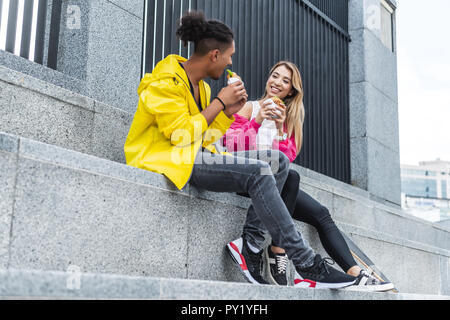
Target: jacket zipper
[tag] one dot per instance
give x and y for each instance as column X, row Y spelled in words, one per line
column 199, row 107
column 201, row 147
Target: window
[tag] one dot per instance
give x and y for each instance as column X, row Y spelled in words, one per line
column 387, row 25
column 419, row 187
column 444, row 189
column 418, row 172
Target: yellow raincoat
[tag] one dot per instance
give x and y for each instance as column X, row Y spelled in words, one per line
column 168, row 129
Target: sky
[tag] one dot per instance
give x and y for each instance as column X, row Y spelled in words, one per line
column 423, row 58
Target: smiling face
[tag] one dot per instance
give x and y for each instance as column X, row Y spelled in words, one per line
column 279, row 83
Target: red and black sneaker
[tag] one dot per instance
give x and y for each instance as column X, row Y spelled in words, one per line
column 320, row 276
column 249, row 263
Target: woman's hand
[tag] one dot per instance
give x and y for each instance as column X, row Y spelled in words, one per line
column 266, row 112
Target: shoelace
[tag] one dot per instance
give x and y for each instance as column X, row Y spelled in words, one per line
column 282, row 262
column 324, row 262
column 370, row 277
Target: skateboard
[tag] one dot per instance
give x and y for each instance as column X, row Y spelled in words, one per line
column 365, row 261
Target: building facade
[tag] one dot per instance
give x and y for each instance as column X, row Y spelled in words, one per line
column 374, row 129
column 426, row 190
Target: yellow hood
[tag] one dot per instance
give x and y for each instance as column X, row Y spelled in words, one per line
column 167, row 68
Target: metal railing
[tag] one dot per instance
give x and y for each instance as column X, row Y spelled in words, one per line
column 335, row 10
column 267, row 31
column 23, row 29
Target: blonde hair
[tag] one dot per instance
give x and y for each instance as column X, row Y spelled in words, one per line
column 295, row 109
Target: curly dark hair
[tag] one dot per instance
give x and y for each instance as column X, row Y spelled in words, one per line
column 206, row 35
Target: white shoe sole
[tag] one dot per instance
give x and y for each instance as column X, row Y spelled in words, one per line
column 372, row 288
column 235, row 249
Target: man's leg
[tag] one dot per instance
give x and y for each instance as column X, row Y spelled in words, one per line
column 254, row 229
column 220, row 173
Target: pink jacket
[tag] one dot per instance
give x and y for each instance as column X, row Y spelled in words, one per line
column 242, row 136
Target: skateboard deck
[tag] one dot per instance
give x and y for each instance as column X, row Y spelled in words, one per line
column 365, row 261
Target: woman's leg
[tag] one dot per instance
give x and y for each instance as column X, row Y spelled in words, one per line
column 312, row 212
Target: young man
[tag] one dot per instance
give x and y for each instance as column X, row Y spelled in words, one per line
column 174, row 131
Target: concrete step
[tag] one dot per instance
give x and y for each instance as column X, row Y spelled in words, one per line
column 61, row 208
column 42, row 111
column 35, row 284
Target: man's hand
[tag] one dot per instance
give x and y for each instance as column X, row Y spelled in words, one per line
column 234, row 96
column 235, row 108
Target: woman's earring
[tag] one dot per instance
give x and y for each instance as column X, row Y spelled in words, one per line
column 290, row 95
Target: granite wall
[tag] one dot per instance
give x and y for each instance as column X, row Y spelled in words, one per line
column 374, row 123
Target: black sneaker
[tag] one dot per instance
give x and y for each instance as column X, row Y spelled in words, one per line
column 367, row 282
column 249, row 263
column 320, row 276
column 277, row 267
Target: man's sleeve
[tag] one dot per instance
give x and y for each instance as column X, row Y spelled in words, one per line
column 217, row 128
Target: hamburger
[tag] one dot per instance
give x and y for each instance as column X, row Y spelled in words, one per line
column 277, row 104
column 278, row 101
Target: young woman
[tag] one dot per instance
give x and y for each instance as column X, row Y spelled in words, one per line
column 261, row 126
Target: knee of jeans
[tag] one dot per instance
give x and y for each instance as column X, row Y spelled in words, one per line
column 265, row 169
column 284, row 160
column 260, row 168
column 261, row 175
column 279, row 162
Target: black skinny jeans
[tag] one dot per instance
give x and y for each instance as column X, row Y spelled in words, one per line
column 304, row 208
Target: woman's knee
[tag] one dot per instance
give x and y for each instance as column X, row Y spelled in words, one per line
column 292, row 181
column 293, row 177
column 324, row 219
column 320, row 217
